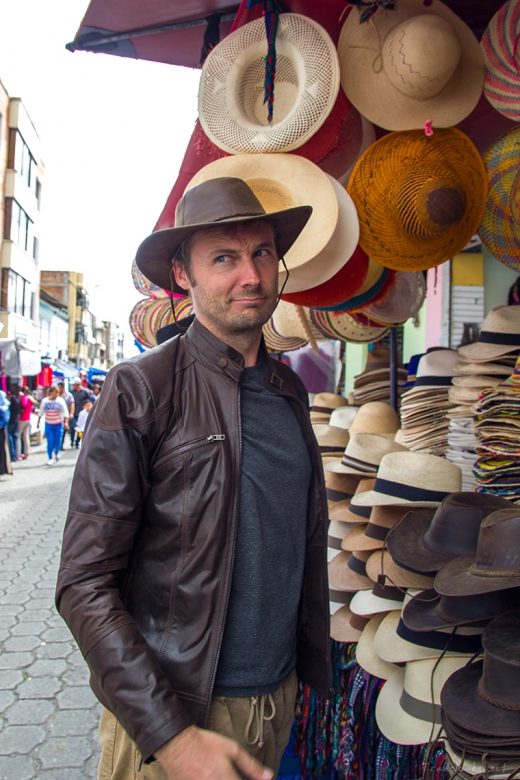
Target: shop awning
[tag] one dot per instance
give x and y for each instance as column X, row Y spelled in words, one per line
column 96, row 375
column 175, row 32
column 18, row 360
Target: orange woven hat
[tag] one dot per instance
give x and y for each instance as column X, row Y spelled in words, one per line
column 419, row 199
column 500, row 228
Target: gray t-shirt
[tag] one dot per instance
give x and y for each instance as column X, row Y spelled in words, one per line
column 259, row 644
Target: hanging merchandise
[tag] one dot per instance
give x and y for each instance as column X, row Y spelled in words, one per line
column 419, row 199
column 340, row 325
column 500, row 46
column 412, row 64
column 231, row 93
column 151, row 314
column 348, row 280
column 401, row 300
column 500, row 228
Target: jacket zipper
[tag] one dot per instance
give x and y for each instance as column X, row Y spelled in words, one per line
column 230, row 569
column 191, row 445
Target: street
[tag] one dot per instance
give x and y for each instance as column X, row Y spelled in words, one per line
column 48, row 715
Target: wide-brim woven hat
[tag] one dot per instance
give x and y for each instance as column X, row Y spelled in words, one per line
column 347, row 281
column 278, row 344
column 376, row 282
column 500, row 226
column 334, row 257
column 435, row 370
column 502, row 75
column 376, row 417
column 381, row 599
column 231, row 92
column 151, row 314
column 500, row 335
column 411, row 64
column 405, row 712
column 412, row 479
column 282, row 182
column 347, row 571
column 419, row 199
column 401, row 300
column 340, row 325
column 366, row 655
column 221, row 200
column 293, row 321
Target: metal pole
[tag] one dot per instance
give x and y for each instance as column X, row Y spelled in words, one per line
column 393, row 368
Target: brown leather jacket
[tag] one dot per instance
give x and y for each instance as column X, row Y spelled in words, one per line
column 149, row 540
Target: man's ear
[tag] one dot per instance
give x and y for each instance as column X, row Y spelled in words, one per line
column 180, row 275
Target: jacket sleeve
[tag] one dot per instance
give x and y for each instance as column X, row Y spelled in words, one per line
column 108, row 491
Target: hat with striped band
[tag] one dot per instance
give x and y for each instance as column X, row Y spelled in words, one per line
column 340, row 487
column 502, row 60
column 500, row 335
column 500, row 226
column 363, row 454
column 372, row 536
column 341, row 511
column 366, row 655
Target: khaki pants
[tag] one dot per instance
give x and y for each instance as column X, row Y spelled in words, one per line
column 261, row 725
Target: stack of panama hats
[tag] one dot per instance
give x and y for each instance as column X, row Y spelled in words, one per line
column 332, row 441
column 323, row 404
column 497, row 423
column 373, row 384
column 424, row 424
column 151, row 314
column 375, row 417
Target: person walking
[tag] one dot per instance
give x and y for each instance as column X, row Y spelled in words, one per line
column 13, row 425
column 5, row 460
column 194, row 560
column 69, row 400
column 27, row 403
column 79, row 396
column 56, row 414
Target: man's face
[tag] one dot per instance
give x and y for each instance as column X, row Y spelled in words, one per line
column 233, row 278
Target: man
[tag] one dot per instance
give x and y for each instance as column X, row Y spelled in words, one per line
column 193, row 571
column 79, row 396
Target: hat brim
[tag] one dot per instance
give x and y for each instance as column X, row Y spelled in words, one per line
column 341, row 629
column 457, row 579
column 365, row 602
column 374, row 498
column 155, row 254
column 381, row 562
column 405, row 544
column 367, row 657
column 393, row 722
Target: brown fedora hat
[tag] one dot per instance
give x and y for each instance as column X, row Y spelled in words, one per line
column 429, row 611
column 496, row 565
column 484, row 697
column 219, row 201
column 424, row 540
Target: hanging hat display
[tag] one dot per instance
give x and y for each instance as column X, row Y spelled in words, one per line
column 340, row 325
column 279, row 344
column 346, row 282
column 151, row 314
column 419, row 199
column 500, row 227
column 231, row 92
column 401, row 300
column 502, row 60
column 411, row 64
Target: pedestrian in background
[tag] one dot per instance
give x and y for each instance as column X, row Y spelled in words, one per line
column 27, row 403
column 82, row 419
column 69, row 400
column 80, row 395
column 56, row 414
column 5, row 460
column 14, row 419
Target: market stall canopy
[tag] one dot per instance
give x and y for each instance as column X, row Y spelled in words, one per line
column 178, row 31
column 18, row 360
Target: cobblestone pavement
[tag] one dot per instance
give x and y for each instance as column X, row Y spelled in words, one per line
column 48, row 714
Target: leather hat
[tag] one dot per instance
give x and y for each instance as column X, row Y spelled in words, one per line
column 496, row 565
column 218, row 201
column 424, row 541
column 429, row 611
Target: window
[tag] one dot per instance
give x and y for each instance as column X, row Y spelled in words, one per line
column 16, row 294
column 17, row 226
column 21, row 159
column 80, row 335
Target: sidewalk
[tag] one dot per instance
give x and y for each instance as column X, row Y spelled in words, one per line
column 48, row 715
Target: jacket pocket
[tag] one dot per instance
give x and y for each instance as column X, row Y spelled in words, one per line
column 180, row 450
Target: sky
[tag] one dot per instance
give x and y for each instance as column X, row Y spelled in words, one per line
column 113, row 133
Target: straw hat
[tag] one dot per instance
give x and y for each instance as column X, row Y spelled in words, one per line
column 363, row 454
column 412, row 479
column 405, row 712
column 372, row 536
column 419, row 199
column 499, row 43
column 411, row 64
column 324, row 403
column 376, row 282
column 342, row 509
column 401, row 300
column 293, row 322
column 341, row 628
column 435, row 369
column 340, row 325
column 500, row 228
column 343, row 416
column 347, row 571
column 366, row 655
column 345, row 282
column 375, row 417
column 231, row 92
column 331, row 441
column 381, row 565
column 340, row 487
column 279, row 344
column 151, row 314
column 284, row 181
column 463, row 368
column 499, row 336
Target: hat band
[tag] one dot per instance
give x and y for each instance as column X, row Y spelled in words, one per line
column 493, row 337
column 422, row 710
column 331, row 448
column 442, row 381
column 378, row 532
column 388, row 592
column 360, row 511
column 340, row 596
column 334, row 542
column 437, row 640
column 358, row 621
column 357, row 566
column 360, row 465
column 323, row 409
column 408, row 492
column 337, row 495
column 499, row 684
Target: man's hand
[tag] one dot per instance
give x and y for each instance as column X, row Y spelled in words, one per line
column 199, row 754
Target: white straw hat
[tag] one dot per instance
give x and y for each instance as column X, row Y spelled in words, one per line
column 500, row 335
column 366, row 655
column 363, row 454
column 343, row 416
column 405, row 712
column 231, row 93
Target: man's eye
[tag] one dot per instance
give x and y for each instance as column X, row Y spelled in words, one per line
column 222, row 259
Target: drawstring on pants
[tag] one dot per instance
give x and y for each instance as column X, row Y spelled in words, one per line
column 257, row 713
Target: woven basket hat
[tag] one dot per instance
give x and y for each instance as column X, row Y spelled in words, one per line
column 278, row 344
column 151, row 314
column 401, row 300
column 502, row 60
column 419, row 199
column 500, row 228
column 411, row 64
column 340, row 325
column 231, row 93
column 280, row 182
